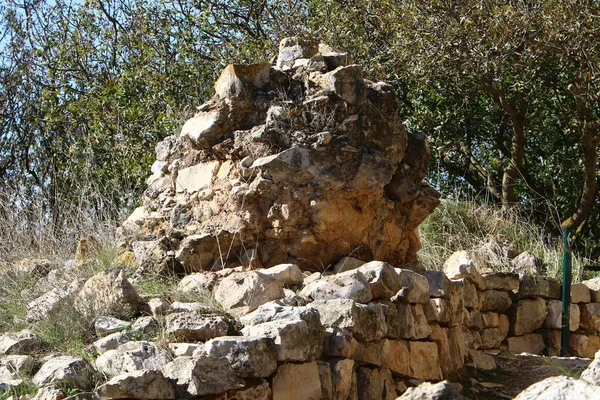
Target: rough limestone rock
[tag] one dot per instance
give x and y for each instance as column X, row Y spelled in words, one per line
column 286, row 274
column 65, row 370
column 580, row 293
column 538, row 286
column 496, row 301
column 415, row 288
column 462, row 265
column 109, row 293
column 590, row 316
column 201, row 376
column 583, row 345
column 383, row 279
column 297, row 382
column 243, row 292
column 250, row 357
column 195, row 326
column 311, row 316
column 138, row 385
column 432, row 391
column 104, row 325
column 439, row 284
column 304, row 162
column 507, row 281
column 347, row 264
column 112, row 341
column 198, row 282
column 44, row 306
column 375, row 384
column 527, row 263
column 351, row 285
column 366, row 321
column 530, row 343
column 15, row 366
column 132, row 356
column 23, row 342
column 559, row 387
column 529, row 315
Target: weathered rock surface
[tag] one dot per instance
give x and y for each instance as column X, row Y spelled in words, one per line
column 592, row 372
column 538, row 286
column 250, row 357
column 195, row 326
column 297, row 382
column 245, row 171
column 65, row 370
column 201, row 376
column 23, row 342
column 132, row 356
column 462, row 265
column 351, row 285
column 438, row 391
column 142, row 384
column 243, row 292
column 108, row 293
column 559, row 387
column 104, row 325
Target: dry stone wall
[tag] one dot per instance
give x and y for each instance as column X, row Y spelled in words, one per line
column 367, row 332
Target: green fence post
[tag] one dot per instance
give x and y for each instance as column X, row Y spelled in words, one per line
column 566, row 295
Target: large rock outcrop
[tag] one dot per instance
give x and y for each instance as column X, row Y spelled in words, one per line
column 301, row 162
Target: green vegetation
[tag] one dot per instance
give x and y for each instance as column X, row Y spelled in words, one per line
column 507, row 93
column 494, row 235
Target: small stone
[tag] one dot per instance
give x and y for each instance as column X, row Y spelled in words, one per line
column 482, row 360
column 383, row 279
column 580, row 293
column 351, row 285
column 554, row 319
column 583, row 345
column 112, row 341
column 244, row 292
column 529, row 315
column 198, row 282
column 132, row 356
column 439, row 284
column 347, row 264
column 286, row 274
column 538, row 286
column 506, row 281
column 589, row 316
column 426, row 390
column 184, row 349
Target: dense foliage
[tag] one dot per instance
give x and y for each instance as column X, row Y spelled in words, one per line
column 506, row 90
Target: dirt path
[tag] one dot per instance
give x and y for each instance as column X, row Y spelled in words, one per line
column 515, row 372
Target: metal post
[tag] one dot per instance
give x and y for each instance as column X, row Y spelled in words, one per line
column 566, row 295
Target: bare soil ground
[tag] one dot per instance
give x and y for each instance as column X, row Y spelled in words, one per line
column 516, row 372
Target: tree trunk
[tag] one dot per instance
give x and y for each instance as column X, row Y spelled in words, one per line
column 516, row 162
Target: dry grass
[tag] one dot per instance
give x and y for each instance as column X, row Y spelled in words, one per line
column 495, row 235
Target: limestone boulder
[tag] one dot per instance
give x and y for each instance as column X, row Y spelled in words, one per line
column 584, row 346
column 462, row 265
column 580, row 293
column 197, row 282
column 185, row 349
column 495, row 300
column 347, row 264
column 414, row 288
column 310, row 316
column 396, row 357
column 15, row 366
column 439, row 284
column 507, row 281
column 383, row 279
column 289, row 338
column 201, row 376
column 594, row 286
column 367, row 322
column 481, row 360
column 65, row 370
column 375, row 384
column 132, row 356
column 49, row 303
column 527, row 263
column 589, row 316
column 559, row 387
column 141, row 384
column 286, row 274
column 428, row 366
column 305, row 163
column 351, row 285
column 109, row 293
column 250, row 357
column 438, row 391
column 23, row 342
column 196, row 326
column 344, row 379
column 105, row 325
column 530, row 343
column 112, row 341
column 592, row 373
column 297, row 382
column 529, row 315
column 539, row 286
column 243, row 292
